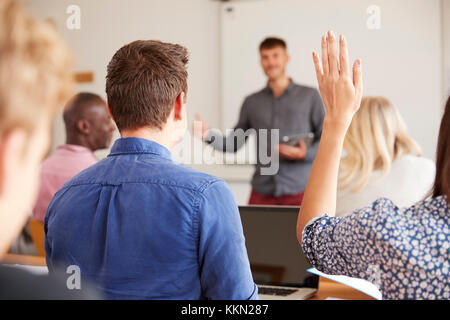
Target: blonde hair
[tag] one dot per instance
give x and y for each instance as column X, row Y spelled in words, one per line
column 376, row 137
column 35, row 69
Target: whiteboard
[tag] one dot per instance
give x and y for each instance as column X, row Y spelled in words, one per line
column 402, row 60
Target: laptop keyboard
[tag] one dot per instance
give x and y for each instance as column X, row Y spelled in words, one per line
column 275, row 291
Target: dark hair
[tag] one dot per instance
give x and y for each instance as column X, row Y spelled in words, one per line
column 77, row 105
column 272, row 42
column 442, row 180
column 143, row 80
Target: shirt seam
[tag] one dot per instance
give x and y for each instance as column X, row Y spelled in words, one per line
column 198, row 189
column 195, row 218
column 129, row 152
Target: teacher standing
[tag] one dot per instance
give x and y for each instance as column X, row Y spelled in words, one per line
column 284, row 105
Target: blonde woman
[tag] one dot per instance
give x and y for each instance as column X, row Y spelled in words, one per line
column 382, row 160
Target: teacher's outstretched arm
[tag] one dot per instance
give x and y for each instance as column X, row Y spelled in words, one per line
column 341, row 92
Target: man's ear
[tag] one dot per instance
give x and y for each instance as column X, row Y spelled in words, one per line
column 84, row 126
column 109, row 110
column 12, row 147
column 178, row 108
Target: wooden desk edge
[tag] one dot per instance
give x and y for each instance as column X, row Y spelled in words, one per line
column 23, row 260
column 331, row 289
column 327, row 288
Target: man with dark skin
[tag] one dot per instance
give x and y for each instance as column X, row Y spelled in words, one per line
column 89, row 127
column 88, row 122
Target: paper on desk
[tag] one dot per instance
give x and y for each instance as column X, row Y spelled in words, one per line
column 359, row 284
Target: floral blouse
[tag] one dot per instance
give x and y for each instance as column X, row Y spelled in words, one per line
column 405, row 252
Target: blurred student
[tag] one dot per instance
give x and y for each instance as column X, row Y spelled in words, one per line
column 405, row 251
column 382, row 160
column 138, row 223
column 35, row 80
column 282, row 105
column 89, row 127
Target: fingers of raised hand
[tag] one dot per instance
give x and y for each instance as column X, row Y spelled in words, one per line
column 318, row 67
column 335, row 66
column 343, row 57
column 332, row 55
column 357, row 79
column 324, row 46
column 333, row 63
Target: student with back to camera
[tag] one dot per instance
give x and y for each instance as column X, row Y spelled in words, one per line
column 138, row 223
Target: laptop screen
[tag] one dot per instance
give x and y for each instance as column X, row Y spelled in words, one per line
column 275, row 255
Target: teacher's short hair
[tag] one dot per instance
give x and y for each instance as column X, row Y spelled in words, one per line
column 272, row 42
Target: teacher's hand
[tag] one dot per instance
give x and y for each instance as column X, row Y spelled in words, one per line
column 293, row 153
column 200, row 128
column 341, row 90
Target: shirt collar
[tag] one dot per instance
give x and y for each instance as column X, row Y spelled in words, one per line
column 139, row 145
column 74, row 148
column 290, row 86
column 288, row 89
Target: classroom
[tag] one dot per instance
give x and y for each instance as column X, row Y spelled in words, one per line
column 224, row 150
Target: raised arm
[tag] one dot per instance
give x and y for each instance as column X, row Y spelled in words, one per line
column 341, row 92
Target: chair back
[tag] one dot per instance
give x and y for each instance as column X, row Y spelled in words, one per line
column 36, row 229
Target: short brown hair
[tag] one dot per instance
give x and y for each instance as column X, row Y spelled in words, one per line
column 272, row 42
column 35, row 69
column 143, row 80
column 442, row 180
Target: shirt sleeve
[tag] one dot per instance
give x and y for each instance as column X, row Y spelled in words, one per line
column 350, row 245
column 224, row 266
column 237, row 138
column 317, row 116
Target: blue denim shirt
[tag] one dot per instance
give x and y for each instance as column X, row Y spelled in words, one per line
column 141, row 226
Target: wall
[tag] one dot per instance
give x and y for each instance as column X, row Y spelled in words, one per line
column 401, row 60
column 445, row 5
column 106, row 25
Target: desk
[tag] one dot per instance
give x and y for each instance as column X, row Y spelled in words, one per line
column 23, row 259
column 329, row 288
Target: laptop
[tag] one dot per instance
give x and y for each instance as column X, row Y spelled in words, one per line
column 278, row 264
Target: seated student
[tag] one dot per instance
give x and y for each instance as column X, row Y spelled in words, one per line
column 88, row 128
column 35, row 79
column 405, row 251
column 382, row 160
column 138, row 223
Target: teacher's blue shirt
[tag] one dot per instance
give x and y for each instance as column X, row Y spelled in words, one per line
column 142, row 226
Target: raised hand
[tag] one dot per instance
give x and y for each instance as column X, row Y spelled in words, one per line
column 341, row 93
column 341, row 90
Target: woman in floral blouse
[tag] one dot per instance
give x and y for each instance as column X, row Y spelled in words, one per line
column 404, row 251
